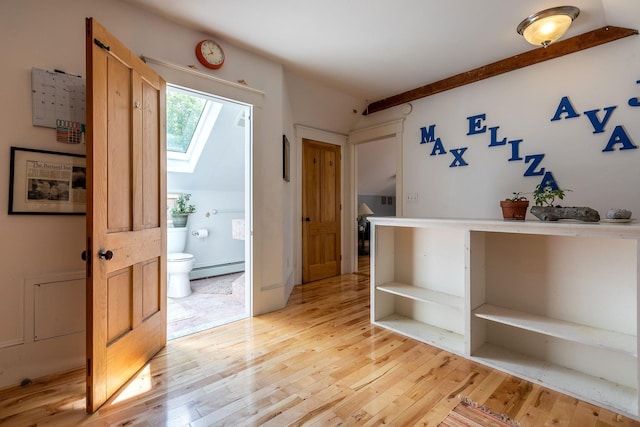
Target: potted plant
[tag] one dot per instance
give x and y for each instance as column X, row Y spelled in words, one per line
column 180, row 213
column 546, row 196
column 514, row 207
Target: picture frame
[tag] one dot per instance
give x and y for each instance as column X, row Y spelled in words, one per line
column 47, row 183
column 286, row 159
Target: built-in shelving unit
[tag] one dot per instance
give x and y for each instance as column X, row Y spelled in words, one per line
column 554, row 303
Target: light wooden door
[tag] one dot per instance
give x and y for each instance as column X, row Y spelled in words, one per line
column 126, row 214
column 320, row 210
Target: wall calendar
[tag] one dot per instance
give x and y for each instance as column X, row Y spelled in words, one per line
column 59, row 102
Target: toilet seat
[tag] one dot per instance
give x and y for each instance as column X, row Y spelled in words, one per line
column 179, row 256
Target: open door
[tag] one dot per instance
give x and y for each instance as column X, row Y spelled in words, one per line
column 126, row 214
column 320, row 210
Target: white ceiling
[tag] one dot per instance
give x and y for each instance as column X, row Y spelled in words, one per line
column 373, row 49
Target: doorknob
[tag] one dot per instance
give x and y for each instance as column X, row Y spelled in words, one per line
column 307, row 219
column 105, row 255
column 83, row 255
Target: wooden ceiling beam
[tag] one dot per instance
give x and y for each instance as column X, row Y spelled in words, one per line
column 574, row 44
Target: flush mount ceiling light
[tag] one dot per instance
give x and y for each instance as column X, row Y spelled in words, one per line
column 547, row 26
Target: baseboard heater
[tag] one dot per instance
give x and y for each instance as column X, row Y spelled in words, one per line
column 216, row 270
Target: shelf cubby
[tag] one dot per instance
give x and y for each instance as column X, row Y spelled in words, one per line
column 588, row 335
column 422, row 294
column 598, row 391
column 439, row 337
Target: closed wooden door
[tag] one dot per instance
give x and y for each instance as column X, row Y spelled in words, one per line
column 320, row 210
column 126, row 214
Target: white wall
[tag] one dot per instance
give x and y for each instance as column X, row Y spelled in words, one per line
column 289, row 201
column 323, row 114
column 50, row 35
column 214, row 212
column 522, row 104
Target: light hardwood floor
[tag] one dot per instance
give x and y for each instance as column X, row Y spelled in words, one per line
column 316, row 362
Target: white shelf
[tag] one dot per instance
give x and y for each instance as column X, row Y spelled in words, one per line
column 598, row 391
column 422, row 294
column 588, row 335
column 441, row 338
column 586, row 274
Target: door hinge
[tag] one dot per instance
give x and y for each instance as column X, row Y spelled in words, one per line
column 101, row 45
column 89, row 257
column 88, row 367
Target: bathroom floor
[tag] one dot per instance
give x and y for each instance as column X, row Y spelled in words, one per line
column 214, row 301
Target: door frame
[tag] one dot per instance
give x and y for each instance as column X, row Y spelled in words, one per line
column 304, row 132
column 254, row 99
column 393, row 132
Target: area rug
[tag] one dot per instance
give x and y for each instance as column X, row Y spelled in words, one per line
column 221, row 285
column 470, row 414
column 176, row 312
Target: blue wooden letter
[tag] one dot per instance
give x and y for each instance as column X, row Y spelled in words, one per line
column 515, row 150
column 438, row 148
column 619, row 136
column 494, row 137
column 634, row 102
column 457, row 154
column 598, row 126
column 565, row 107
column 475, row 124
column 428, row 135
column 531, row 171
column 549, row 181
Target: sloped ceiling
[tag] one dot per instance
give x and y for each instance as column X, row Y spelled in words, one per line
column 221, row 164
column 377, row 168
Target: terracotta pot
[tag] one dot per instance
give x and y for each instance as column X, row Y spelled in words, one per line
column 514, row 210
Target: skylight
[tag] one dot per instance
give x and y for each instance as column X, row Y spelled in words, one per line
column 191, row 116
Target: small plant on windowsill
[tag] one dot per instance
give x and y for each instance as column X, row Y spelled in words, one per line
column 180, row 213
column 514, row 207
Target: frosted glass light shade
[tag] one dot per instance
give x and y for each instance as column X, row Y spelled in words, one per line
column 547, row 26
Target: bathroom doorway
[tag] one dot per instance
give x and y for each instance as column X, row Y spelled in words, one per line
column 208, row 158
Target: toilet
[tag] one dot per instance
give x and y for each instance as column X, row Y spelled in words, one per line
column 179, row 263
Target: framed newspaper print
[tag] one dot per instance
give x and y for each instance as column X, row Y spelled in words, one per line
column 47, row 182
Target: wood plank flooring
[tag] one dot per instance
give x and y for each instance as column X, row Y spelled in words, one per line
column 317, row 362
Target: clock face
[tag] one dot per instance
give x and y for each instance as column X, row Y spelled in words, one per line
column 210, row 54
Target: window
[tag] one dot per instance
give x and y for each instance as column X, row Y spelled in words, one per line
column 191, row 117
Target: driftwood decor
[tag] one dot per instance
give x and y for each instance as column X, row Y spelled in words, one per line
column 551, row 213
column 574, row 44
